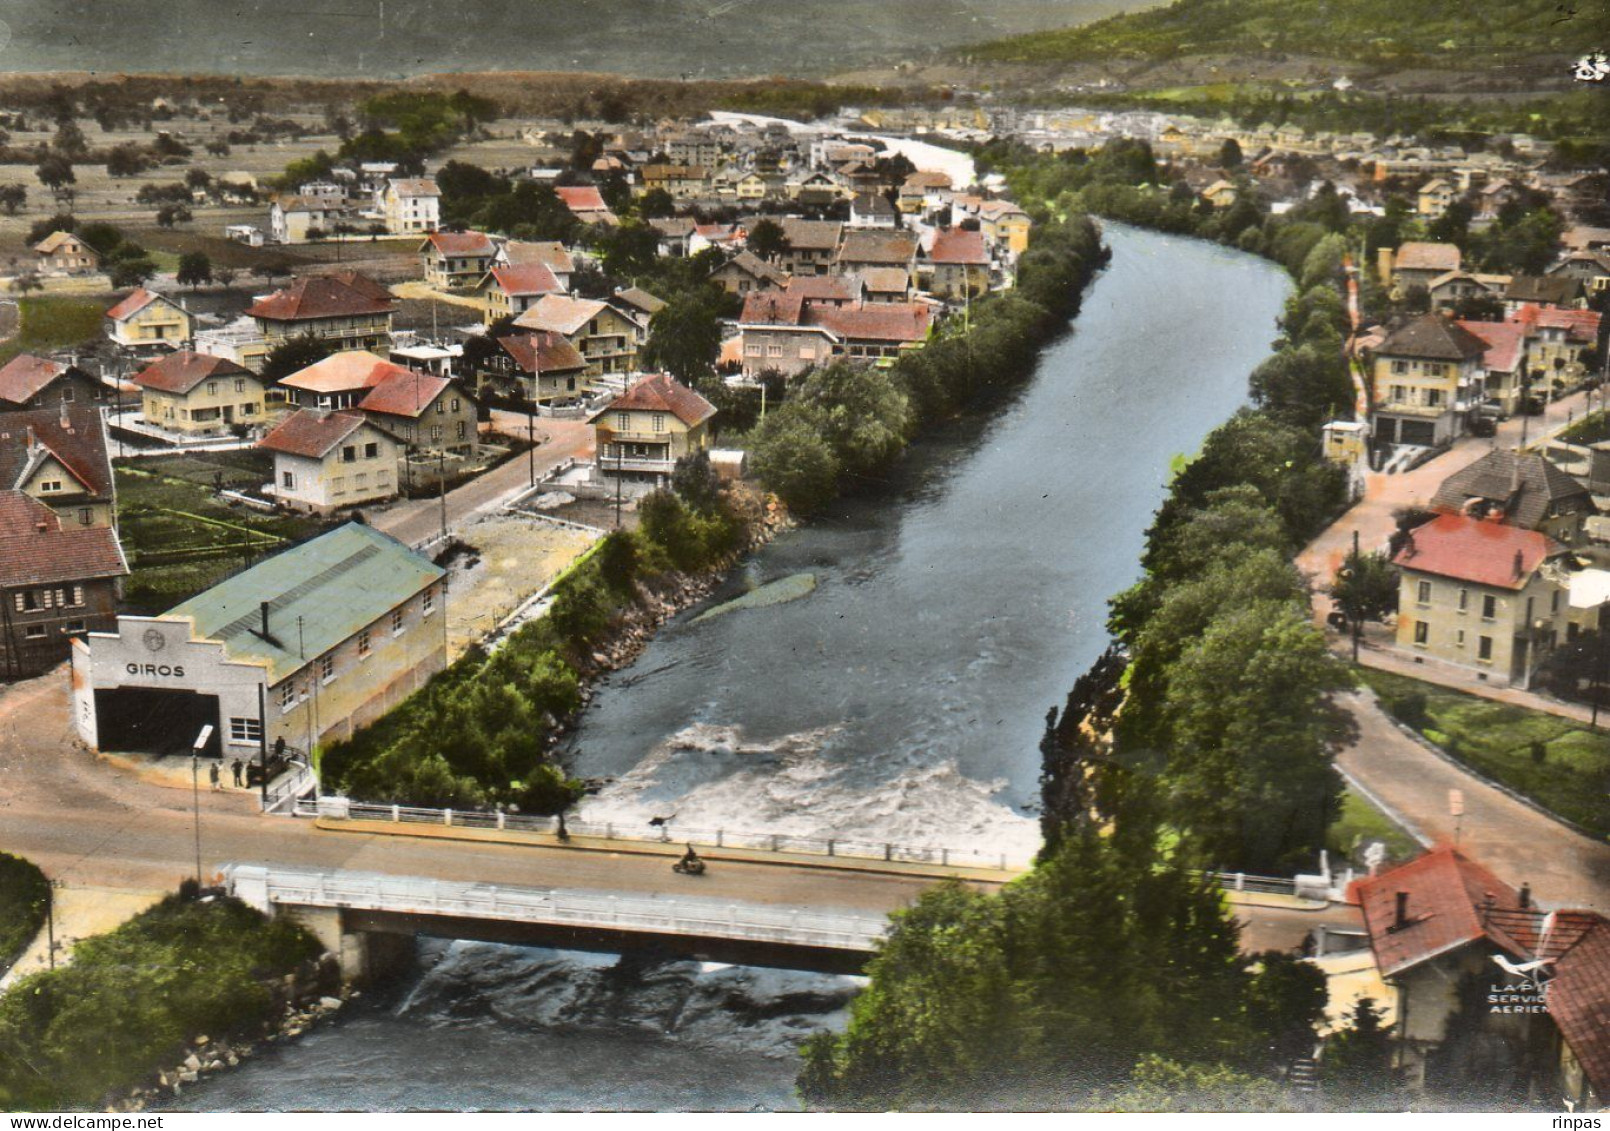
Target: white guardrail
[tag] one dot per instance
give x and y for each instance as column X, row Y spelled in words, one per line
column 341, row 808
column 265, row 887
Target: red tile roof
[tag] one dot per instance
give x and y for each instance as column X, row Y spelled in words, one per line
column 320, row 296
column 79, row 445
column 773, row 308
column 24, row 375
column 361, row 283
column 1452, row 902
column 957, row 245
column 663, row 393
column 1433, row 336
column 460, row 243
column 1468, row 549
column 830, row 288
column 526, row 279
column 884, row 249
column 581, row 198
column 36, row 550
column 1506, row 344
column 1426, row 256
column 545, row 348
column 137, row 300
column 180, row 372
column 1579, row 997
column 407, row 393
column 344, row 372
column 1580, row 324
column 312, row 432
column 897, row 322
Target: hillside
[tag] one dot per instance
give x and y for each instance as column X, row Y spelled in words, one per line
column 1395, row 33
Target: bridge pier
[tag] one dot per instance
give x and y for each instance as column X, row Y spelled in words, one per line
column 364, row 957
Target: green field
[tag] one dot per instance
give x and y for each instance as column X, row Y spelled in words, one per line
column 53, row 322
column 1359, row 824
column 180, row 537
column 1497, row 740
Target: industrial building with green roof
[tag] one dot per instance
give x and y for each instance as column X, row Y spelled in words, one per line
column 300, row 648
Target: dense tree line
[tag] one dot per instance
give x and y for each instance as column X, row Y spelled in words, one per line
column 844, row 424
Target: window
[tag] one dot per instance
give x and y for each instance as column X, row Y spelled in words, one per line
column 1484, row 648
column 248, row 409
column 1399, row 368
column 287, row 695
column 1423, row 593
column 243, row 730
column 371, row 450
column 396, row 622
column 240, row 384
column 441, row 408
column 338, row 485
column 361, row 480
column 1434, row 398
column 1554, row 601
column 436, row 433
column 752, row 349
column 85, row 516
column 1422, row 633
column 288, row 480
column 1459, row 638
column 1529, row 602
column 363, row 645
column 50, row 486
column 1489, row 606
column 774, row 351
column 459, row 430
column 67, row 394
column 455, row 404
column 212, row 388
column 349, row 453
column 1464, row 599
column 427, row 603
column 623, row 421
column 78, row 597
column 659, row 422
column 326, row 668
column 34, row 632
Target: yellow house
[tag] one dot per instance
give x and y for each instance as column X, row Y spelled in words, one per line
column 1427, row 375
column 146, row 318
column 1434, row 198
column 507, row 292
column 193, row 393
column 1005, row 225
column 652, row 425
column 58, row 456
column 607, row 338
column 1481, row 595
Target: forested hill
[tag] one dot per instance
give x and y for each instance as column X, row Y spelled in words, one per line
column 1395, row 32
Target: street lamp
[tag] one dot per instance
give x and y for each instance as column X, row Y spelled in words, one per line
column 203, row 737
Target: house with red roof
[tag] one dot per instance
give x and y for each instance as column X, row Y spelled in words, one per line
column 508, row 291
column 196, row 395
column 746, row 272
column 787, row 332
column 58, row 580
column 538, row 366
column 28, row 382
column 325, row 461
column 644, row 431
column 606, row 334
column 1556, row 339
column 586, row 204
column 147, row 321
column 1494, row 993
column 956, row 264
column 59, row 456
column 340, row 380
column 1481, row 595
column 1504, row 363
column 424, row 412
column 452, row 260
column 347, row 308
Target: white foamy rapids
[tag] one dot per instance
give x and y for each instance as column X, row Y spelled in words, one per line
column 708, row 777
column 713, row 1006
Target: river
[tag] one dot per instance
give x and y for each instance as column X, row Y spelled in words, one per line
column 900, row 698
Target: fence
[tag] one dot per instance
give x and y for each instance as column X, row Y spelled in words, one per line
column 263, row 887
column 340, row 808
column 285, row 793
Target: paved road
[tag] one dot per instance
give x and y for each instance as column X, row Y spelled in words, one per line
column 418, row 520
column 1520, row 844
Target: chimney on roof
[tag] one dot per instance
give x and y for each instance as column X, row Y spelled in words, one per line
column 33, row 442
column 1402, row 918
column 1520, row 563
column 1526, row 897
column 262, row 608
column 65, row 421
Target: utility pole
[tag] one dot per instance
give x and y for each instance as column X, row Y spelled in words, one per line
column 202, row 738
column 1357, row 616
column 531, row 407
column 50, row 922
column 618, row 460
column 441, row 484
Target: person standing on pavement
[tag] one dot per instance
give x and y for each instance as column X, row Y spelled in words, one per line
column 212, row 776
column 235, row 768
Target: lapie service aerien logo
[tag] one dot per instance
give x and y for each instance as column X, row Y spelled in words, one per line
column 1525, row 991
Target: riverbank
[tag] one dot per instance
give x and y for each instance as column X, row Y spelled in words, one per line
column 179, row 989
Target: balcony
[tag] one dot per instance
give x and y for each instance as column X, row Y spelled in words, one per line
column 610, row 465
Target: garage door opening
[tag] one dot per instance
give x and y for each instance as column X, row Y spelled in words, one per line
column 149, row 720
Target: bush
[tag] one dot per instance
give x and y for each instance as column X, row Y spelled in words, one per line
column 1409, row 708
column 24, row 899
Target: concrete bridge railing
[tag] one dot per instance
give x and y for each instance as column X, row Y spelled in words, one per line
column 341, row 808
column 271, row 888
